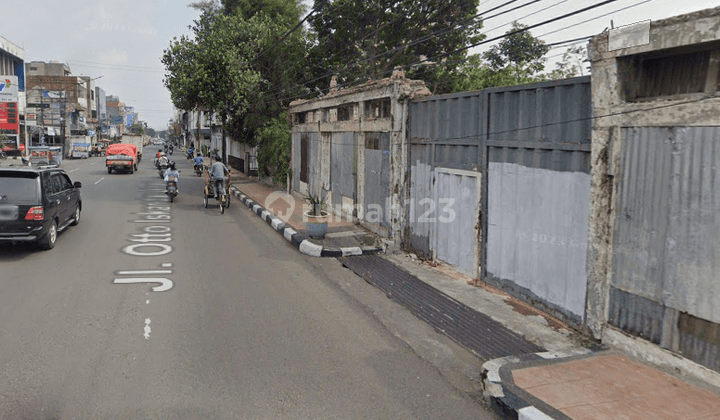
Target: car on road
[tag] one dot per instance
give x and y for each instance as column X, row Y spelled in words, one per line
column 36, row 204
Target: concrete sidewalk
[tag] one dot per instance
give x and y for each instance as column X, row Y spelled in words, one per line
column 284, row 212
column 572, row 379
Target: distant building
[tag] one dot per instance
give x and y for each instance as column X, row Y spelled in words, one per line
column 12, row 63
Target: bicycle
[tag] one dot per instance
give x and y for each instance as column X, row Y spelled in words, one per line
column 224, row 198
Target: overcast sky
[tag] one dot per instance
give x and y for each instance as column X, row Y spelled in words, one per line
column 123, row 41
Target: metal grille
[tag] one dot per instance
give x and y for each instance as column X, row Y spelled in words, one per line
column 475, row 331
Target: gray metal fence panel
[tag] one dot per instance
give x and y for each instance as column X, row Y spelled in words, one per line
column 342, row 172
column 421, row 176
column 314, row 158
column 551, row 112
column 377, row 180
column 667, row 246
column 296, row 161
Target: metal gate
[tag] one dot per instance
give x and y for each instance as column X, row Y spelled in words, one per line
column 455, row 212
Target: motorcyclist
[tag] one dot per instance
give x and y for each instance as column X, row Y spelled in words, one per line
column 162, row 160
column 170, row 172
column 217, row 173
column 198, row 162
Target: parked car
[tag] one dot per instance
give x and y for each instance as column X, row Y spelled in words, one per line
column 36, row 204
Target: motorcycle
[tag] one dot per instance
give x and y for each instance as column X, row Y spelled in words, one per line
column 199, row 169
column 171, row 150
column 189, row 154
column 171, row 187
column 162, row 167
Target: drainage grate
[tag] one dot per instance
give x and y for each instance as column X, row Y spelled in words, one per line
column 473, row 330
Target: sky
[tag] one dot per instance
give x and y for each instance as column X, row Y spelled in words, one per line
column 124, row 41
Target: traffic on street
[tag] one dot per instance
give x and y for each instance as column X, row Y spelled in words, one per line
column 151, row 309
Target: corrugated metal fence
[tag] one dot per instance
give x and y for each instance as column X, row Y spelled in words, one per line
column 528, row 148
column 667, row 248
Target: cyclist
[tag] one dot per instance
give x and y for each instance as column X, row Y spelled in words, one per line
column 217, row 173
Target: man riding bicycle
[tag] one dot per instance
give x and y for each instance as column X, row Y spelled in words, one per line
column 217, row 173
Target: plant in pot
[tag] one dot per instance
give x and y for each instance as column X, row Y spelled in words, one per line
column 316, row 220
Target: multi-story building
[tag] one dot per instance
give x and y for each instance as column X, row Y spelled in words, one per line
column 101, row 112
column 12, row 107
column 61, row 102
column 116, row 115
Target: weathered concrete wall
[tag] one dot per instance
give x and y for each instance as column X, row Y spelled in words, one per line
column 341, row 117
column 612, row 114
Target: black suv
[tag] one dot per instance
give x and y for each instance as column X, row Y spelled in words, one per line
column 36, row 204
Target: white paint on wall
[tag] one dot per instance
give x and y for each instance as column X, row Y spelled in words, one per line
column 538, row 231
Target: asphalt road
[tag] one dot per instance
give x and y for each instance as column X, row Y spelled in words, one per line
column 247, row 328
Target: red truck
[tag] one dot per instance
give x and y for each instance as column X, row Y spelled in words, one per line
column 121, row 157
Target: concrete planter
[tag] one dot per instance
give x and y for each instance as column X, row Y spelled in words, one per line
column 316, row 225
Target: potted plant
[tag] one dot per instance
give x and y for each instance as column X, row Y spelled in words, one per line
column 316, row 220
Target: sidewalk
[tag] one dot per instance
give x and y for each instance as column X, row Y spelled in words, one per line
column 284, row 213
column 569, row 378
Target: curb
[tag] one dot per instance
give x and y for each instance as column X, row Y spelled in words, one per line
column 297, row 240
column 500, row 391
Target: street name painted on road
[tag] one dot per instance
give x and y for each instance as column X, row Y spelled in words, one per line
column 152, row 240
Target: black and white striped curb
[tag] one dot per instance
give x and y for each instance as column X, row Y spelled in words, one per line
column 511, row 401
column 297, row 240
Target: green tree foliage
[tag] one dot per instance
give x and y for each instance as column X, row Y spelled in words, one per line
column 361, row 40
column 286, row 12
column 519, row 51
column 235, row 65
column 274, row 149
column 571, row 64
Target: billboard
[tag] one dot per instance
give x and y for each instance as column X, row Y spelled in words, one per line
column 8, row 89
column 9, row 121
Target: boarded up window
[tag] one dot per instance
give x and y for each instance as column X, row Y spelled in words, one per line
column 667, row 74
column 304, row 149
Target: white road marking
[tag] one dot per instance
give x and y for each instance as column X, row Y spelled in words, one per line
column 165, row 284
column 147, row 329
column 167, row 265
column 133, row 272
column 98, row 181
column 147, row 302
column 93, row 163
column 73, row 170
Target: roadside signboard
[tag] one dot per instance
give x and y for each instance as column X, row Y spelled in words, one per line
column 8, row 89
column 9, row 122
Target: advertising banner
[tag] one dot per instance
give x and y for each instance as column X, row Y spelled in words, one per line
column 8, row 89
column 9, row 122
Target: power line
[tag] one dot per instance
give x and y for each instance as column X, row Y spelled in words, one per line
column 595, row 18
column 510, row 33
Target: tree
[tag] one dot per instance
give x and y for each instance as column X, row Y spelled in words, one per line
column 520, row 52
column 361, row 40
column 571, row 64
